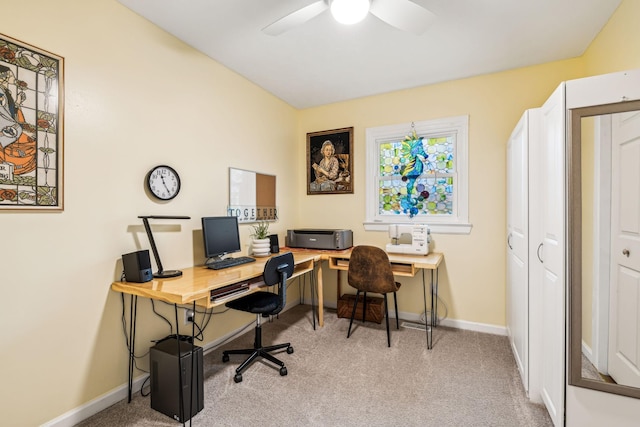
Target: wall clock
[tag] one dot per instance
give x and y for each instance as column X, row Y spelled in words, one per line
column 163, row 182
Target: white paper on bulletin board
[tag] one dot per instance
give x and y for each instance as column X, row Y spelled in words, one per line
column 252, row 196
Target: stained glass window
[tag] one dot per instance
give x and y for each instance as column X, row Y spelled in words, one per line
column 417, row 176
column 417, row 172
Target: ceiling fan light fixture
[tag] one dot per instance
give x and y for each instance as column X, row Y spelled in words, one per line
column 349, row 11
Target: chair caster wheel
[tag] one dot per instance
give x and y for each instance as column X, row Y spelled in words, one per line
column 289, row 350
column 238, row 378
column 283, row 371
column 225, row 358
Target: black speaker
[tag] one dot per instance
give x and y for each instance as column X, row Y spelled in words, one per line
column 275, row 245
column 166, row 373
column 137, row 266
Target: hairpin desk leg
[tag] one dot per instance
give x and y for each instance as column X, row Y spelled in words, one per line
column 132, row 340
column 180, row 370
column 434, row 280
column 312, row 287
column 192, row 382
column 427, row 325
column 319, row 286
column 180, row 391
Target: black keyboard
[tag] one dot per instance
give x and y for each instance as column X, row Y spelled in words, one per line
column 229, row 262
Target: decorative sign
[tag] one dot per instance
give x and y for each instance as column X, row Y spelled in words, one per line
column 252, row 196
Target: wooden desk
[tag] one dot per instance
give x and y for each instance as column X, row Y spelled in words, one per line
column 319, row 255
column 195, row 286
column 402, row 265
column 196, row 283
column 408, row 266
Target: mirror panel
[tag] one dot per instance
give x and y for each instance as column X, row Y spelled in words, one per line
column 593, row 250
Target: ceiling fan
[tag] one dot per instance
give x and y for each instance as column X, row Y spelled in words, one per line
column 402, row 14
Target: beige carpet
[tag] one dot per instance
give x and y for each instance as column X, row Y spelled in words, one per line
column 589, row 371
column 467, row 379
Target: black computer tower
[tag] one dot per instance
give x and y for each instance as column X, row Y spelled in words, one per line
column 165, row 379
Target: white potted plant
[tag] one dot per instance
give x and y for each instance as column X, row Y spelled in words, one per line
column 261, row 244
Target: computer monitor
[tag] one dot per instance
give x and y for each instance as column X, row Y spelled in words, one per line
column 220, row 235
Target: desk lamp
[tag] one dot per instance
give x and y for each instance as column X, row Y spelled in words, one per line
column 161, row 274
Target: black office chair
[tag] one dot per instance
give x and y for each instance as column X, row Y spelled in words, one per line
column 276, row 271
column 370, row 271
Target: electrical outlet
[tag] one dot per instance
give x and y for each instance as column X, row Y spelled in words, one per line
column 188, row 316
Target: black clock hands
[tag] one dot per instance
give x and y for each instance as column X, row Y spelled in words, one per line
column 165, row 184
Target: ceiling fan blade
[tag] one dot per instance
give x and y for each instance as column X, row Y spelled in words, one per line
column 403, row 14
column 296, row 18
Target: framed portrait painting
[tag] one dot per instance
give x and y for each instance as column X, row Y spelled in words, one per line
column 330, row 161
column 31, row 127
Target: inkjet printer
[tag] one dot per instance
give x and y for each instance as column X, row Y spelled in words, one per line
column 319, row 239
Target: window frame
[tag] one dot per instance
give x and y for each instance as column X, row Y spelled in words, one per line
column 458, row 221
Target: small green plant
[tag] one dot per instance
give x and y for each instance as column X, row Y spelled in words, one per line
column 260, row 230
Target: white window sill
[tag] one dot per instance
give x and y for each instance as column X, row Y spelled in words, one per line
column 451, row 228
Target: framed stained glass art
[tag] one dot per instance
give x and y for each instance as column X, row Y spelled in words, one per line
column 31, row 127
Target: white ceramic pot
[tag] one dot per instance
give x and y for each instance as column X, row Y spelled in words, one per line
column 261, row 247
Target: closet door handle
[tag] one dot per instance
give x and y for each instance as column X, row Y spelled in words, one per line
column 538, row 252
column 509, row 241
column 626, row 252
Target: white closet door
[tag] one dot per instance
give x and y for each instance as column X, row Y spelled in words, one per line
column 517, row 246
column 536, row 272
column 552, row 254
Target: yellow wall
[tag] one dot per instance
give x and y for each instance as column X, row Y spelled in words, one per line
column 617, row 47
column 137, row 97
column 472, row 282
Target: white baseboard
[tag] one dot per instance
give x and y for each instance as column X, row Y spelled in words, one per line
column 460, row 324
column 450, row 323
column 114, row 396
column 100, row 403
column 473, row 326
column 588, row 352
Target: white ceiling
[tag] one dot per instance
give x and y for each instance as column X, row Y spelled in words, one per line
column 322, row 61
